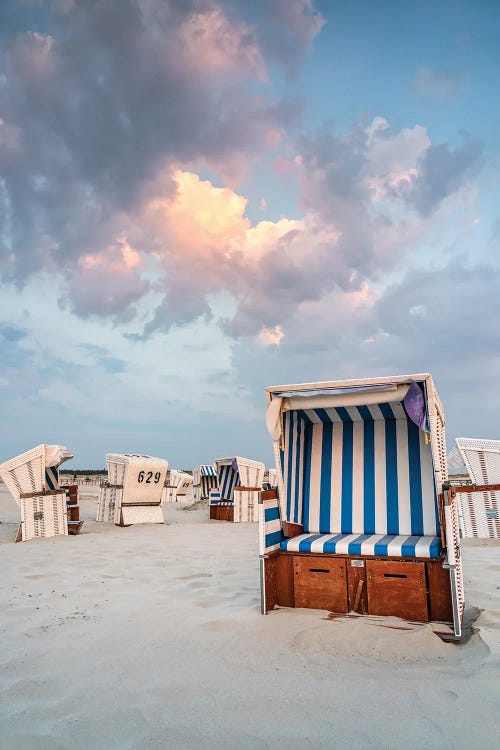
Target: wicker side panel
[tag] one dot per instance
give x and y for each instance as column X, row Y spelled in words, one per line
column 454, row 559
column 479, row 514
column 246, row 506
column 438, row 438
column 44, row 516
column 116, row 472
column 25, row 473
column 109, row 504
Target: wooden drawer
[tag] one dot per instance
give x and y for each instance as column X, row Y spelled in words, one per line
column 222, row 512
column 398, row 589
column 320, row 583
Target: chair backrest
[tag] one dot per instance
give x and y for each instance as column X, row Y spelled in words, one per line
column 142, row 477
column 358, row 469
column 482, row 459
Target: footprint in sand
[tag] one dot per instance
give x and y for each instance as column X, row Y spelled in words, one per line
column 218, row 626
column 195, row 575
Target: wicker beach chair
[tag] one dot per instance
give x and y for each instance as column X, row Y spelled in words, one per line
column 479, row 497
column 33, row 481
column 364, row 519
column 133, row 492
column 178, row 485
column 204, row 480
column 239, row 482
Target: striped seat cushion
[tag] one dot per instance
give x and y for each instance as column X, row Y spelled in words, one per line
column 387, row 545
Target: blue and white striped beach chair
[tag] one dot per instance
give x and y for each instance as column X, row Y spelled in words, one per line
column 204, row 480
column 239, row 482
column 363, row 522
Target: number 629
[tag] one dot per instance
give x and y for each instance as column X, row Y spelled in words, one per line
column 147, row 476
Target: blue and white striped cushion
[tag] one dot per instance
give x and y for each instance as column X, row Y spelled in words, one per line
column 389, row 545
column 359, row 469
column 214, row 497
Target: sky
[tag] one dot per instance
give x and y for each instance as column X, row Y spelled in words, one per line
column 201, row 198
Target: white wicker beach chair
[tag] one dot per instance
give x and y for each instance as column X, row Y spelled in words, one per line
column 365, row 519
column 239, row 482
column 178, row 485
column 478, row 499
column 133, row 492
column 271, row 478
column 33, row 481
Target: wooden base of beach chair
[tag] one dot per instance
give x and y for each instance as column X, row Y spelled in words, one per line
column 19, row 535
column 416, row 590
column 73, row 513
column 222, row 513
column 74, row 527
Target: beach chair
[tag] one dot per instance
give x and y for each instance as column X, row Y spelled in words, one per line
column 178, row 485
column 239, row 482
column 479, row 497
column 33, row 481
column 365, row 520
column 270, row 479
column 133, row 492
column 204, row 480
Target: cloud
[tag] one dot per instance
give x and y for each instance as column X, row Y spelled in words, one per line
column 440, row 85
column 117, row 93
column 107, row 283
column 442, row 171
column 371, row 197
column 289, row 30
column 271, row 336
column 11, row 333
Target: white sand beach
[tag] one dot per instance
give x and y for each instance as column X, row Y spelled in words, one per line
column 151, row 637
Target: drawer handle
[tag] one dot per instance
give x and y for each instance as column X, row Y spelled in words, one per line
column 395, row 575
column 319, row 570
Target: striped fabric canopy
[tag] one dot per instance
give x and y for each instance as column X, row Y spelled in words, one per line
column 52, row 477
column 208, row 470
column 228, row 479
column 358, row 470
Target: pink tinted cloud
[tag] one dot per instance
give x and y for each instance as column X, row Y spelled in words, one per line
column 283, row 166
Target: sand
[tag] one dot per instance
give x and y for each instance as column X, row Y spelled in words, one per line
column 151, row 637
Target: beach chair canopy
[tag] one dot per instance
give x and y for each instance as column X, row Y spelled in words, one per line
column 35, row 470
column 238, row 472
column 179, row 479
column 480, row 457
column 360, row 464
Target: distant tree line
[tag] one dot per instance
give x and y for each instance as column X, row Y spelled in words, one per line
column 86, row 472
